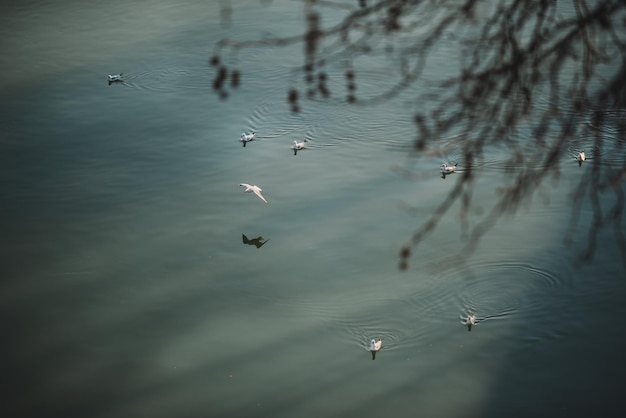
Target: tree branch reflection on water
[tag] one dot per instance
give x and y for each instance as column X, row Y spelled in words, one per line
column 551, row 67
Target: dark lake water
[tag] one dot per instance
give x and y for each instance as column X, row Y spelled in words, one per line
column 127, row 290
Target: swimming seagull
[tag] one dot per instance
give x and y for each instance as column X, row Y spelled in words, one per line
column 447, row 169
column 297, row 146
column 245, row 138
column 253, row 189
column 375, row 346
column 581, row 157
column 113, row 78
column 470, row 321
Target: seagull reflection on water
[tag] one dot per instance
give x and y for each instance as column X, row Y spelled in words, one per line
column 257, row 242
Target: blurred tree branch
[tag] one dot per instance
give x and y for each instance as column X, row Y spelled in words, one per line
column 518, row 52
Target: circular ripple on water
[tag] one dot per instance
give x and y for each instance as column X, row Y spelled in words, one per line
column 395, row 317
column 361, row 327
column 356, row 322
column 169, row 80
column 609, row 135
column 356, row 313
column 505, row 290
column 257, row 121
column 273, row 120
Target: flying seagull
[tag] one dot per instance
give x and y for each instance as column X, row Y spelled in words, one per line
column 253, row 189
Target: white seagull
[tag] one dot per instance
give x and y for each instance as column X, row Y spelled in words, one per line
column 297, row 146
column 245, row 138
column 447, row 169
column 470, row 321
column 581, row 157
column 113, row 78
column 375, row 346
column 253, row 189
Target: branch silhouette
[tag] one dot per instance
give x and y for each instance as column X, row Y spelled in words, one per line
column 558, row 71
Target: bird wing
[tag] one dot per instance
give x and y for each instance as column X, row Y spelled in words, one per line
column 257, row 191
column 259, row 244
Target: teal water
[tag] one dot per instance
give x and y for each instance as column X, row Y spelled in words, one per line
column 127, row 289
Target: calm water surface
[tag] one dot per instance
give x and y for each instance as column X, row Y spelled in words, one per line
column 127, row 290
